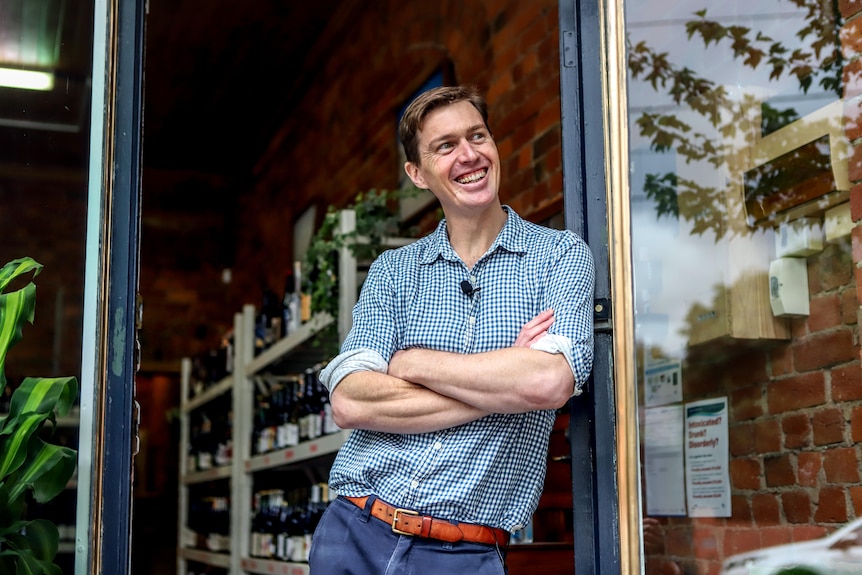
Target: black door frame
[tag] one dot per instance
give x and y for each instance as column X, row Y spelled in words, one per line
column 114, row 437
column 593, row 416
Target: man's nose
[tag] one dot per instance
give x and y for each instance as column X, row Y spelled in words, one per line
column 466, row 152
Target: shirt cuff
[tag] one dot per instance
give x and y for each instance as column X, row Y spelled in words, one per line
column 350, row 362
column 551, row 343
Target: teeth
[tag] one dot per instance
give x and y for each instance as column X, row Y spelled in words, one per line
column 475, row 177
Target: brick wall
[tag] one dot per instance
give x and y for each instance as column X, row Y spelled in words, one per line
column 342, row 141
column 45, row 220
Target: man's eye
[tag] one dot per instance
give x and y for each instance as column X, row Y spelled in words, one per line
column 478, row 137
column 445, row 147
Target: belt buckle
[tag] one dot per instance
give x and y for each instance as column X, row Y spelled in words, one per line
column 395, row 520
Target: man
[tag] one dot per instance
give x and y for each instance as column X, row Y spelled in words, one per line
column 463, row 345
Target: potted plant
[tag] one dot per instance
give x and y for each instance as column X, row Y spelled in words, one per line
column 28, row 463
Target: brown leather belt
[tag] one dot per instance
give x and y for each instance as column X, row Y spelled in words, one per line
column 407, row 522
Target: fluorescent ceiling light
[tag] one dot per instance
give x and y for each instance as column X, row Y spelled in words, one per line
column 26, row 79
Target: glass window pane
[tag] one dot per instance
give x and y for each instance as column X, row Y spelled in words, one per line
column 45, row 83
column 745, row 299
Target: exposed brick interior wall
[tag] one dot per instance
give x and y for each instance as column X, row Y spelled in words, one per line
column 46, row 220
column 341, row 141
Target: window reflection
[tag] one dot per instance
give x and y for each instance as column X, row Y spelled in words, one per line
column 44, row 134
column 739, row 164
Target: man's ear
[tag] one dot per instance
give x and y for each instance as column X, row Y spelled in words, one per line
column 415, row 175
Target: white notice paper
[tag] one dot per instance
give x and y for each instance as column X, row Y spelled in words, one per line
column 663, row 461
column 662, row 382
column 706, row 458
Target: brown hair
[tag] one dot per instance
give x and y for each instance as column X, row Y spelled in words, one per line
column 419, row 108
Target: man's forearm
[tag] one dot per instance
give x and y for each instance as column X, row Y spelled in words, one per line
column 510, row 380
column 379, row 402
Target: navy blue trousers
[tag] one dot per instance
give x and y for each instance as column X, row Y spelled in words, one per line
column 349, row 541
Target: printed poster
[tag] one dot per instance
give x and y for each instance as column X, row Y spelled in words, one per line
column 664, row 470
column 706, row 458
column 662, row 382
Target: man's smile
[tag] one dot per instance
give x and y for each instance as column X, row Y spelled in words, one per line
column 472, row 177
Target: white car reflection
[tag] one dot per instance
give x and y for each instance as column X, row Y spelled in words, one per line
column 837, row 554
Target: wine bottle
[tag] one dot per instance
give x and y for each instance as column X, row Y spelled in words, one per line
column 311, row 422
column 327, row 422
column 289, row 417
column 290, row 304
column 304, row 298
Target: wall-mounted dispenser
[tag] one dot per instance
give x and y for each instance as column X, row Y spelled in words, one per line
column 788, row 287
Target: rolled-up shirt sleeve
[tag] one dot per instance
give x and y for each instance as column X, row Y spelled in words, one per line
column 351, row 362
column 560, row 344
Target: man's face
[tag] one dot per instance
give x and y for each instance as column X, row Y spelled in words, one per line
column 459, row 162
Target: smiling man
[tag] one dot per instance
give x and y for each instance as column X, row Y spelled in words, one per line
column 463, row 345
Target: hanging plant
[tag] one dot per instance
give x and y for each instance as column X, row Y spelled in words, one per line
column 376, row 219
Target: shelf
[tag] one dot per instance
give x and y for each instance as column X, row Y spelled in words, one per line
column 277, row 567
column 205, row 557
column 221, row 472
column 284, row 346
column 208, row 395
column 306, row 450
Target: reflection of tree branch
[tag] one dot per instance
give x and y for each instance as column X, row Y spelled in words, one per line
column 823, row 22
column 731, row 118
column 662, row 190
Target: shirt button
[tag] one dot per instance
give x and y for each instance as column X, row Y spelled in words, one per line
column 438, row 445
column 472, row 320
column 414, row 484
column 473, row 278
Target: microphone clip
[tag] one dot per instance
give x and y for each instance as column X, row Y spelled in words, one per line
column 468, row 288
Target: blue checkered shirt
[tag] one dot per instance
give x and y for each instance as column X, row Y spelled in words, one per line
column 490, row 471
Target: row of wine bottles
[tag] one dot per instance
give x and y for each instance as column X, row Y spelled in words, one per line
column 211, row 435
column 213, row 366
column 209, row 521
column 290, row 410
column 277, row 317
column 284, row 521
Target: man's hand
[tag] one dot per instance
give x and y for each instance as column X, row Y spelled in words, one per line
column 535, row 329
column 515, row 379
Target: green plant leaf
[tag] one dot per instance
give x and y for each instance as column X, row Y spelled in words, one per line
column 17, row 268
column 13, row 446
column 47, row 470
column 15, row 309
column 26, row 460
column 43, row 539
column 10, row 512
column 29, row 547
column 43, row 395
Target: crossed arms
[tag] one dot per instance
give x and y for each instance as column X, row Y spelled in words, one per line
column 426, row 390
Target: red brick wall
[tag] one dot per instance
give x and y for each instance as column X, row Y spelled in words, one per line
column 342, row 141
column 794, row 428
column 46, row 220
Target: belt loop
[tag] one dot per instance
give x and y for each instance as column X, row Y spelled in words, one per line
column 366, row 511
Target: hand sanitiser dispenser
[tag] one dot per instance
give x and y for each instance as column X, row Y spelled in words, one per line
column 788, row 287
